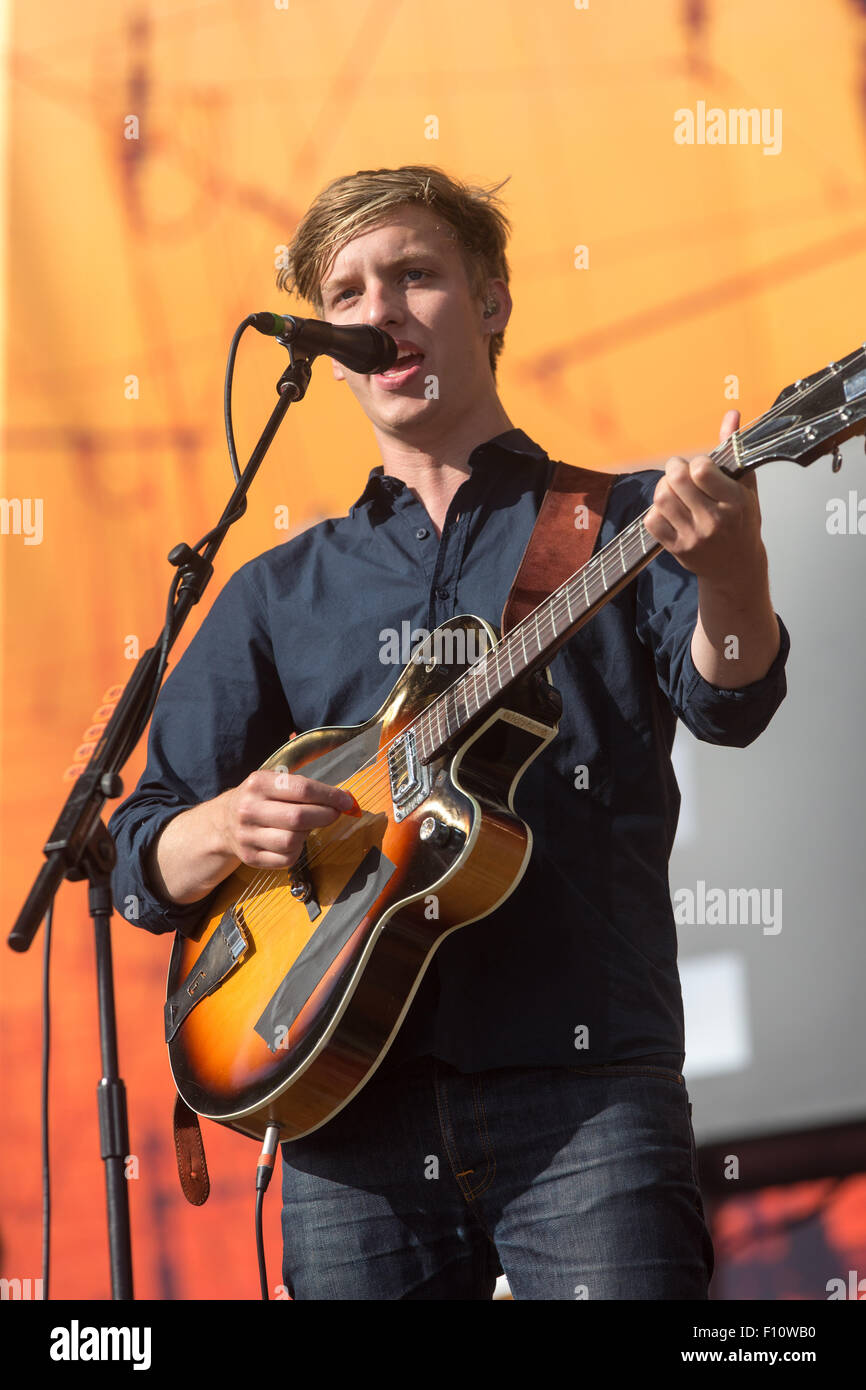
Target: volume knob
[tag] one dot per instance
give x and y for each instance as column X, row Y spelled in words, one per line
column 434, row 831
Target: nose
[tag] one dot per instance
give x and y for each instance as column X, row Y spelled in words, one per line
column 382, row 308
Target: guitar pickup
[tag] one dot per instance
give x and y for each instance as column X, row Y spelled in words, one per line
column 409, row 777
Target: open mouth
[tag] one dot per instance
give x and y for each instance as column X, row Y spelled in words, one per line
column 405, row 362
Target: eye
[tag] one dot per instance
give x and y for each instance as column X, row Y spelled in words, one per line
column 413, row 270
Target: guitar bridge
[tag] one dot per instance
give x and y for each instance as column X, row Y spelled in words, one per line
column 410, row 778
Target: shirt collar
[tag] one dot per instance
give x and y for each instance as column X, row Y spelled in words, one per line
column 513, row 441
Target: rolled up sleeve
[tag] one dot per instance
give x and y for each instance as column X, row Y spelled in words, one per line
column 666, row 616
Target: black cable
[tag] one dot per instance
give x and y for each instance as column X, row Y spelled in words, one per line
column 46, row 1055
column 260, row 1246
column 227, row 398
column 264, row 1173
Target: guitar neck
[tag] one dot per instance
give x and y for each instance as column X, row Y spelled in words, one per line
column 532, row 643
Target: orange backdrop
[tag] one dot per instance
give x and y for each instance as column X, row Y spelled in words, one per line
column 136, row 258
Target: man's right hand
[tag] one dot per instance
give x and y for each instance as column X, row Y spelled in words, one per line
column 262, row 823
column 265, row 819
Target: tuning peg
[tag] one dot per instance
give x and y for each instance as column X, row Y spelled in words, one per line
column 837, row 459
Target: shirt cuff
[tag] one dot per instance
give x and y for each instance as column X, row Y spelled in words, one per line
column 136, row 898
column 733, row 717
column 696, row 684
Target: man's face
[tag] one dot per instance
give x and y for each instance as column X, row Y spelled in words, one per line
column 406, row 276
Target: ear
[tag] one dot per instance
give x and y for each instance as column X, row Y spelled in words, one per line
column 498, row 293
column 336, row 368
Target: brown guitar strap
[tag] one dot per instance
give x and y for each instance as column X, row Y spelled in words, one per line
column 191, row 1162
column 562, row 539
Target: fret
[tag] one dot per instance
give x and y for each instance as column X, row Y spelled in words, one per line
column 464, row 687
column 552, row 618
column 568, row 601
column 480, row 672
column 496, row 671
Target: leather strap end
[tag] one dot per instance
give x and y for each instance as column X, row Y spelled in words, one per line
column 189, row 1148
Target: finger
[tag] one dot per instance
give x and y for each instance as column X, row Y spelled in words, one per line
column 293, row 819
column 667, row 502
column 658, row 527
column 295, row 787
column 730, row 422
column 701, row 483
column 272, row 849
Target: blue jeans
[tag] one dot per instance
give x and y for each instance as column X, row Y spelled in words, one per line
column 576, row 1182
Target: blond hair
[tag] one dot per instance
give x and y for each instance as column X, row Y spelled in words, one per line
column 356, row 202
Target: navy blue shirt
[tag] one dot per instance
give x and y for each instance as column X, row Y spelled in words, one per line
column 584, row 950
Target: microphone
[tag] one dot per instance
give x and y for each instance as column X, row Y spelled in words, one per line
column 359, row 346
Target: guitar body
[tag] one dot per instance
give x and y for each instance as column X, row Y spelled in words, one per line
column 295, row 1028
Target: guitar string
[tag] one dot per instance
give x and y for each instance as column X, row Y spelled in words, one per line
column 378, row 777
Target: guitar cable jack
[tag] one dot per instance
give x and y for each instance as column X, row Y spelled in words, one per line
column 264, row 1172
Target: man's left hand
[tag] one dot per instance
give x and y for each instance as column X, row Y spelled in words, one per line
column 709, row 522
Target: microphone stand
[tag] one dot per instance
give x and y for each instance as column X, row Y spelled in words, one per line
column 80, row 845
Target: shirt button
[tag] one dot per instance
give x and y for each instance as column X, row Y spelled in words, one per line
column 441, row 593
column 422, row 533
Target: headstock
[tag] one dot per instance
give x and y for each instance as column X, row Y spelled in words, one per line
column 807, row 421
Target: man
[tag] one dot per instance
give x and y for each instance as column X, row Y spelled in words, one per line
column 531, row 1115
